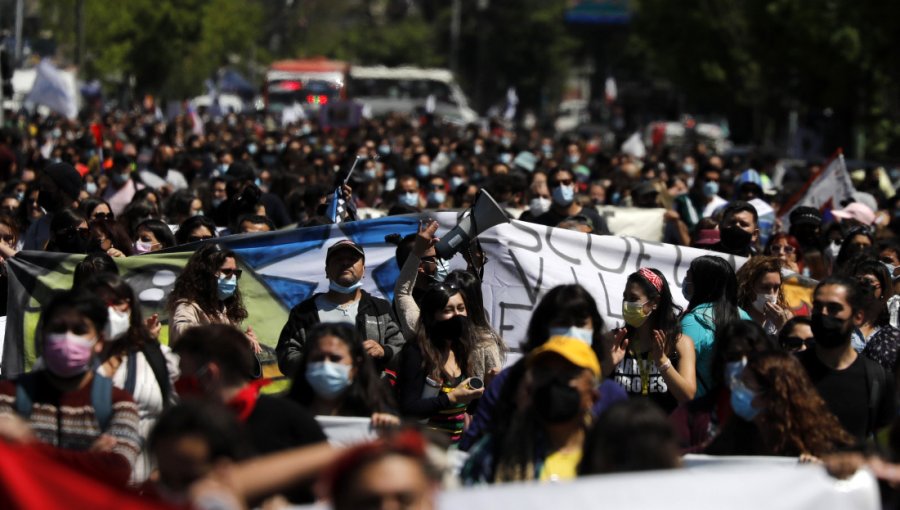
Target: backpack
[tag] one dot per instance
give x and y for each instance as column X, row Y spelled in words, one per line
column 101, row 397
column 157, row 361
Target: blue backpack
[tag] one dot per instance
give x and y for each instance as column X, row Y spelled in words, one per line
column 101, row 397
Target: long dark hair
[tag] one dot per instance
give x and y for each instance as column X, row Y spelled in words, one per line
column 193, row 223
column 160, row 231
column 109, row 284
column 434, row 300
column 665, row 317
column 61, row 226
column 366, row 395
column 734, row 341
column 863, row 265
column 715, row 283
column 565, row 304
column 470, row 287
column 116, row 233
column 850, row 250
column 197, row 283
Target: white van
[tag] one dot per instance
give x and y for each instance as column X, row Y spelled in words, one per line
column 405, row 90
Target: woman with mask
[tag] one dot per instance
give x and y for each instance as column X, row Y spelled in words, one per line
column 152, row 235
column 702, row 200
column 134, row 359
column 787, row 249
column 697, row 422
column 206, row 292
column 760, row 295
column 875, row 338
column 69, row 232
column 649, row 357
column 490, row 350
column 858, row 241
column 337, row 378
column 778, row 412
column 91, row 424
column 109, row 237
column 710, row 287
column 545, row 438
column 434, row 381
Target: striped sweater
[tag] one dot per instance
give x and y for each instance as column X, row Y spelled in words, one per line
column 66, row 420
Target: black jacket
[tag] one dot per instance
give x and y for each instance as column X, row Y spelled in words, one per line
column 374, row 320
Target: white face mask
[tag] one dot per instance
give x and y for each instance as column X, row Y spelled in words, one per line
column 539, row 205
column 586, row 335
column 118, row 324
column 762, row 299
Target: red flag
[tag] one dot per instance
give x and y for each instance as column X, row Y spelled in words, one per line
column 97, row 131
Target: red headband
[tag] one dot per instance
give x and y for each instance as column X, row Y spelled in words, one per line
column 651, row 277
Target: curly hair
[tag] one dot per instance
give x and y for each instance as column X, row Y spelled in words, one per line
column 795, row 419
column 197, row 283
column 750, row 273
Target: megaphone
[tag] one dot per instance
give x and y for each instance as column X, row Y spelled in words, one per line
column 484, row 214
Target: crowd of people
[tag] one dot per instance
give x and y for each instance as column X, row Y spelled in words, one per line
column 738, row 371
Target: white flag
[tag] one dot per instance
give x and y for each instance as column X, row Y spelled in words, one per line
column 610, row 90
column 54, row 89
column 512, row 101
column 824, row 191
column 634, row 146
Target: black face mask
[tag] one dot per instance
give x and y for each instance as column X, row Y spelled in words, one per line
column 736, row 239
column 829, row 331
column 448, row 330
column 556, row 402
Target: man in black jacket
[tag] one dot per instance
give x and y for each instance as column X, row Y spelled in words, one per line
column 345, row 301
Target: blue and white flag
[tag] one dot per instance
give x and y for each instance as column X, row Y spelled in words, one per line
column 54, row 89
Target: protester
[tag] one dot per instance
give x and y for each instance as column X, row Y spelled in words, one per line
column 58, row 188
column 759, row 293
column 699, row 421
column 133, row 358
column 545, row 439
column 96, row 209
column 109, row 237
column 562, row 188
column 710, row 287
column 66, row 403
column 856, row 389
column 702, row 200
column 786, row 248
column 152, row 235
column 122, row 187
column 69, row 232
column 420, row 268
column 195, row 229
column 778, row 412
column 649, row 357
column 875, row 338
column 215, row 364
column 255, row 223
column 434, row 374
column 796, row 335
column 739, row 229
column 345, row 302
column 858, row 241
column 337, row 378
column 207, row 292
column 632, row 435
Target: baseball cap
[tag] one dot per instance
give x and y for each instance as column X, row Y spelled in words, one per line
column 344, row 244
column 856, row 211
column 574, row 351
column 805, row 215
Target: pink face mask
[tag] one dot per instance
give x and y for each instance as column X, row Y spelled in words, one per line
column 142, row 247
column 67, row 354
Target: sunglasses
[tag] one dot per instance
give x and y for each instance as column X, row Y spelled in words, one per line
column 792, row 343
column 782, row 249
column 561, row 182
column 194, row 239
column 104, row 216
column 228, row 272
column 446, row 287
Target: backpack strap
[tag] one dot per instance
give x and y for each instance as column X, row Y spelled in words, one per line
column 157, row 361
column 25, row 387
column 101, row 400
column 131, row 375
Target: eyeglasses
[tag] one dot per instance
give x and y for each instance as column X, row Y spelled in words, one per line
column 787, row 249
column 228, row 272
column 103, row 216
column 793, row 343
column 194, row 239
column 83, row 233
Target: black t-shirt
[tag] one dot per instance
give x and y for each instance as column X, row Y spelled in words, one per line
column 278, row 424
column 861, row 395
column 552, row 218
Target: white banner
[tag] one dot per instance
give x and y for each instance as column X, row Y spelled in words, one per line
column 343, row 431
column 824, row 191
column 645, row 224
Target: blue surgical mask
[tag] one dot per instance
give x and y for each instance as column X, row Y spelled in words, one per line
column 564, row 195
column 384, row 149
column 120, row 178
column 226, row 287
column 20, row 196
column 436, row 198
column 478, row 149
column 371, row 174
column 742, row 401
column 733, row 370
column 90, row 187
column 574, row 158
column 251, row 148
column 306, row 129
column 586, row 335
column 337, row 287
column 688, row 168
column 441, row 271
column 328, row 149
column 423, row 170
column 456, row 181
column 410, row 199
column 547, row 149
column 328, row 380
column 216, row 202
column 710, row 189
column 506, row 158
column 687, row 288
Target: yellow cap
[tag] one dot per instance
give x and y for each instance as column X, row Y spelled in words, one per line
column 575, row 351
